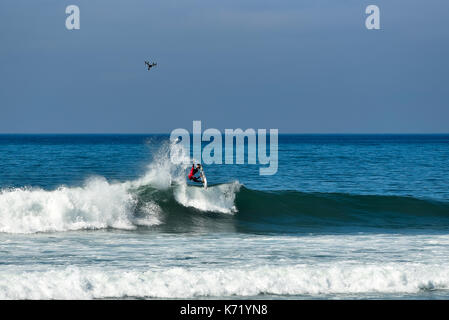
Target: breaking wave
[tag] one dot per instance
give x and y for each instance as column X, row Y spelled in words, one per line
column 162, row 199
column 102, row 204
column 88, row 283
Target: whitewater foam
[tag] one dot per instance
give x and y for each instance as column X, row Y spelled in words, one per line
column 98, row 204
column 101, row 204
column 219, row 198
column 88, row 283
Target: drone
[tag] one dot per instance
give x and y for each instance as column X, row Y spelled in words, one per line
column 150, row 65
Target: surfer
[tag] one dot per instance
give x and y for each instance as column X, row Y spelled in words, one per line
column 194, row 171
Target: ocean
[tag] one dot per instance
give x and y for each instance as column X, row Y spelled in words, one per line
column 111, row 217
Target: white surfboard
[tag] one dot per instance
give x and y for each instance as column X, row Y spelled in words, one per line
column 203, row 177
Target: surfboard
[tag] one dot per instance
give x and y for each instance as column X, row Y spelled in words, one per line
column 203, row 177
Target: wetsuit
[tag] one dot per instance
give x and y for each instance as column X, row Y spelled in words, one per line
column 192, row 173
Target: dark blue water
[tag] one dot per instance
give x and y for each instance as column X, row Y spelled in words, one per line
column 406, row 165
column 108, row 216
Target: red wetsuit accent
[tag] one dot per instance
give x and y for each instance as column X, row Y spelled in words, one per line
column 192, row 172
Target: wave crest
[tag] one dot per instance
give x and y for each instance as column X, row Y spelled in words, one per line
column 88, row 283
column 98, row 204
column 101, row 204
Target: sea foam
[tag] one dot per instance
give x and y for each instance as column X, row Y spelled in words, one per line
column 102, row 204
column 88, row 283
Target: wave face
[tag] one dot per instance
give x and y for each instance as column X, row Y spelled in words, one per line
column 161, row 199
column 227, row 207
column 292, row 209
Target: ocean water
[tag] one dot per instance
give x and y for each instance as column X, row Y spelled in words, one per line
column 110, row 217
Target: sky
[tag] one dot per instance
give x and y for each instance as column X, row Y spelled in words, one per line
column 300, row 66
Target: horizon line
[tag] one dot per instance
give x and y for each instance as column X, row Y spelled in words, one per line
column 160, row 133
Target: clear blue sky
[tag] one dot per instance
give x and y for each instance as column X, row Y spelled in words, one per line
column 306, row 66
